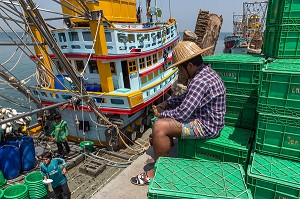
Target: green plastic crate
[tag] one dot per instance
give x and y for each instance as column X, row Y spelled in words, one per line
column 247, row 92
column 280, row 89
column 269, row 177
column 183, row 178
column 282, row 41
column 233, row 145
column 283, row 12
column 287, row 61
column 243, row 117
column 238, row 71
column 278, row 136
column 241, row 111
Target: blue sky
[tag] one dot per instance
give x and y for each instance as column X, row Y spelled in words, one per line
column 184, row 11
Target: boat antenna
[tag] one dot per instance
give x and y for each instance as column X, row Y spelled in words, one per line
column 170, row 9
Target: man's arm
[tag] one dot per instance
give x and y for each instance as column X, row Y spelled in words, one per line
column 43, row 172
column 193, row 99
column 63, row 163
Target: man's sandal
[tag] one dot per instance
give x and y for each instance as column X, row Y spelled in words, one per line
column 141, row 179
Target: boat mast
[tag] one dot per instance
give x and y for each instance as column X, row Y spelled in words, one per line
column 35, row 17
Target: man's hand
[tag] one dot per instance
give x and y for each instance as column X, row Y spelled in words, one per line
column 156, row 113
column 64, row 171
column 162, row 106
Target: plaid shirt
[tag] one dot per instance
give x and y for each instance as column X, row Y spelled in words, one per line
column 204, row 100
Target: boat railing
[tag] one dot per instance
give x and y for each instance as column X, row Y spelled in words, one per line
column 121, row 100
column 118, row 41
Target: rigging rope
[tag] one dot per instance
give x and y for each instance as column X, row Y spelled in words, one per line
column 94, row 41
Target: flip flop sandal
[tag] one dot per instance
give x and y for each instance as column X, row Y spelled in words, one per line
column 141, row 179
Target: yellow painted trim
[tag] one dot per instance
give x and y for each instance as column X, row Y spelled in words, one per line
column 154, row 84
column 136, row 100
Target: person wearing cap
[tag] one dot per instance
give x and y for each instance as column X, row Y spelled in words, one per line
column 196, row 114
column 51, row 169
column 59, row 130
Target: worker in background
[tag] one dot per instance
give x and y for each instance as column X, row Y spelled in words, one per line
column 196, row 114
column 59, row 132
column 51, row 169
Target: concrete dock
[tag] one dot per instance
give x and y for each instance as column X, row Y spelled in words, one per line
column 121, row 187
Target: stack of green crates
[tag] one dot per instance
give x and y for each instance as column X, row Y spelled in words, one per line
column 233, row 145
column 240, row 74
column 271, row 177
column 184, row 178
column 282, row 35
column 278, row 130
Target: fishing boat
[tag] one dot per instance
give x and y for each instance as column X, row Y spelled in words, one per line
column 247, row 29
column 108, row 59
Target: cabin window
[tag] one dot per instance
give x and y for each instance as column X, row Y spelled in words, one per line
column 140, row 38
column 93, row 66
column 150, row 76
column 99, row 100
column 59, row 67
column 149, row 61
column 132, row 67
column 117, row 101
column 161, row 70
column 147, row 37
column 62, row 37
column 44, row 94
column 154, row 58
column 87, row 36
column 160, row 53
column 168, row 31
column 144, row 80
column 153, row 35
column 159, row 35
column 108, row 37
column 156, row 73
column 66, row 96
column 122, row 38
column 142, row 63
column 73, row 36
column 88, row 46
column 75, row 46
column 113, row 68
column 35, row 93
column 131, row 38
column 79, row 65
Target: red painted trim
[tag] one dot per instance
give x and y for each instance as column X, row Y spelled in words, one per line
column 145, row 73
column 111, row 110
column 109, row 57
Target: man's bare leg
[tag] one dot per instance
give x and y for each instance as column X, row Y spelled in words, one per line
column 162, row 131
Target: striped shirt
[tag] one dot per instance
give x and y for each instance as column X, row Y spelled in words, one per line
column 204, row 100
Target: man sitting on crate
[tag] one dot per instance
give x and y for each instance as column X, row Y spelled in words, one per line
column 196, row 114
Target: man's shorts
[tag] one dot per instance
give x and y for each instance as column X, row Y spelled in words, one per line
column 192, row 130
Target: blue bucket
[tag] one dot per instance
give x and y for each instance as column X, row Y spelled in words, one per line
column 57, row 85
column 27, row 152
column 10, row 163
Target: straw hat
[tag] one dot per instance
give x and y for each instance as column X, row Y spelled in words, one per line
column 186, row 50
